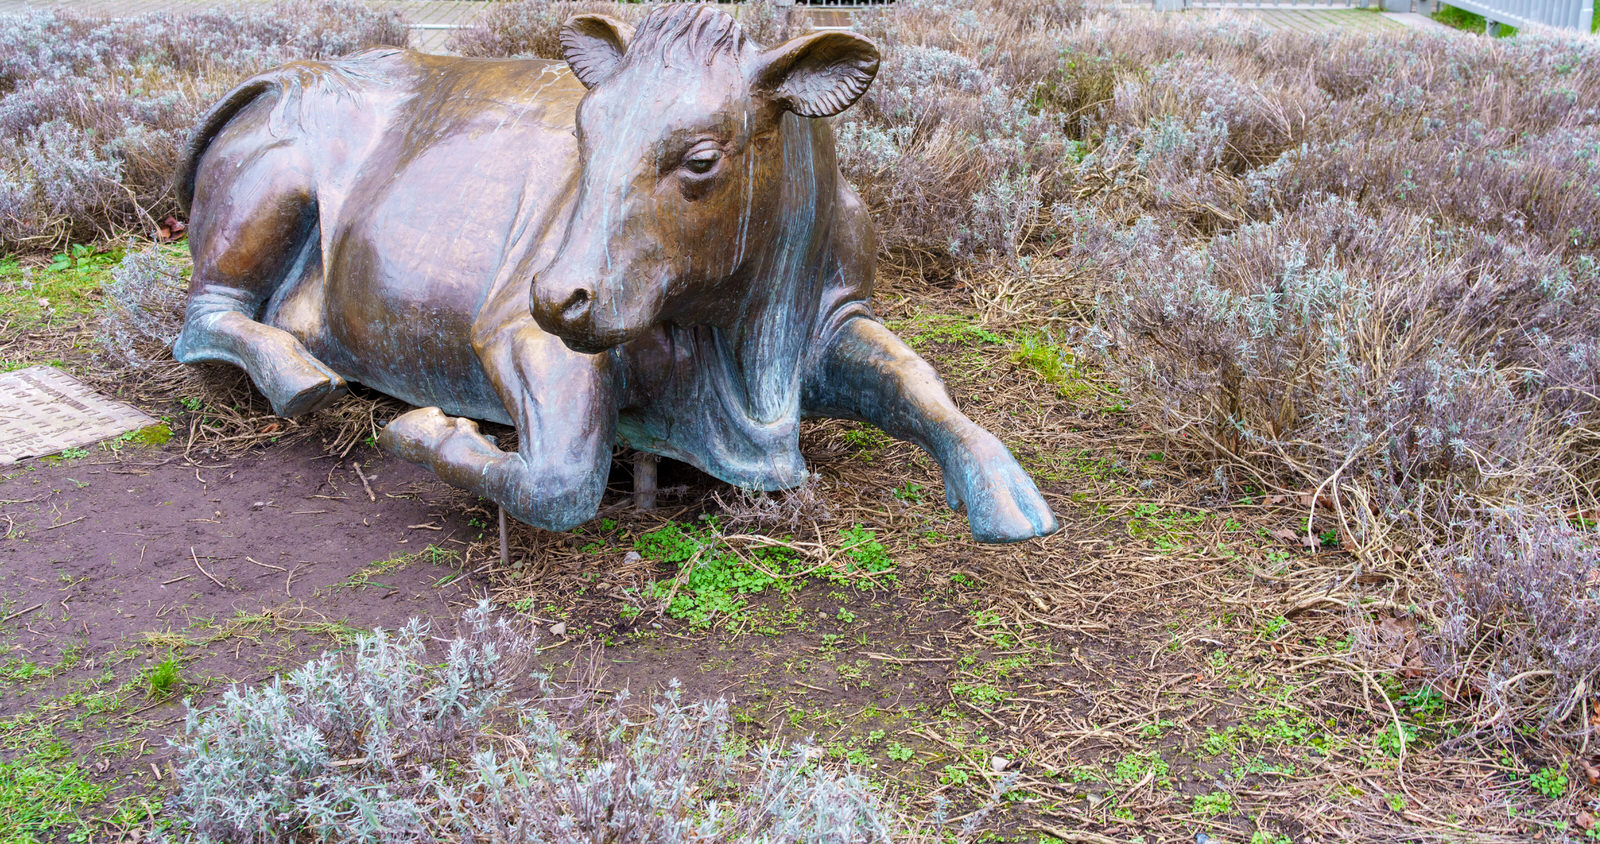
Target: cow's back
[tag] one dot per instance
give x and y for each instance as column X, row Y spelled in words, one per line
column 458, row 168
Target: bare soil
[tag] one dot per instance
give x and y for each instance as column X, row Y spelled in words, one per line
column 240, row 567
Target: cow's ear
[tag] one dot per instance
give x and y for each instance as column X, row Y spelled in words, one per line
column 818, row 75
column 593, row 45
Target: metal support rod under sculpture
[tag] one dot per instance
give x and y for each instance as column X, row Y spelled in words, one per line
column 649, row 243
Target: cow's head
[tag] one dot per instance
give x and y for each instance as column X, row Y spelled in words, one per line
column 683, row 163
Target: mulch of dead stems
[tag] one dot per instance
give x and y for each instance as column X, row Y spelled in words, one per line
column 1124, row 611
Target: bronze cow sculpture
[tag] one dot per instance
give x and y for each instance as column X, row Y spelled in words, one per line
column 649, row 243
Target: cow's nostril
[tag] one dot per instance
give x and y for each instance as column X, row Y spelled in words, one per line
column 575, row 305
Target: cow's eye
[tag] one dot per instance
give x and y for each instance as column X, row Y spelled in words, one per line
column 701, row 161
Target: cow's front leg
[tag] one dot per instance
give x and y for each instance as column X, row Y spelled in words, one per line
column 868, row 374
column 563, row 408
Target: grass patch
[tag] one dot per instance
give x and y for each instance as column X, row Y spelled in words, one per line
column 44, row 795
column 432, row 554
column 58, row 293
column 163, row 678
column 1469, row 21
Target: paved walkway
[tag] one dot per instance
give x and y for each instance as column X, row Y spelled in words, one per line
column 1317, row 20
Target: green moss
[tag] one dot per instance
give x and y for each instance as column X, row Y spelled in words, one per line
column 157, row 434
column 950, row 329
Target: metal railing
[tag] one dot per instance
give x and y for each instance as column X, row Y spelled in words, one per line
column 1561, row 14
column 1423, row 6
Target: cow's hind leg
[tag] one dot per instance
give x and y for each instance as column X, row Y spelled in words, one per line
column 251, row 233
column 565, row 414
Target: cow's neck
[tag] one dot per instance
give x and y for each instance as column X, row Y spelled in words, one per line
column 768, row 339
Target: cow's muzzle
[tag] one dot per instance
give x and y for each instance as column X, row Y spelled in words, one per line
column 567, row 311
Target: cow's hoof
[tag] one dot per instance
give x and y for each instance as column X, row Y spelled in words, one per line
column 416, row 434
column 1003, row 504
column 303, row 391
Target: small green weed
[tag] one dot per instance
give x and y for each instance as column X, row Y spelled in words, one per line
column 954, row 774
column 869, row 555
column 1273, row 626
column 73, row 453
column 982, row 694
column 1550, row 782
column 1213, row 804
column 1053, row 362
column 1132, row 768
column 910, row 493
column 1392, row 741
column 1167, row 530
column 1154, row 730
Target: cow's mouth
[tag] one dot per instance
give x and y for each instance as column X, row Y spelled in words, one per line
column 589, row 345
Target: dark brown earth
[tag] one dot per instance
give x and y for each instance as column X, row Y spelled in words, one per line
column 240, row 567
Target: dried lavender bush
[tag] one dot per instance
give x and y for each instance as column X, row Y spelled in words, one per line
column 143, row 309
column 1528, row 582
column 94, row 113
column 391, row 747
column 776, row 511
column 532, row 28
column 1360, row 263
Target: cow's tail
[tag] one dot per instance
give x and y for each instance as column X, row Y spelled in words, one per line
column 211, row 124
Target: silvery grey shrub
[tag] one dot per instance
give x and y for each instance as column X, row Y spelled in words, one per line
column 143, row 308
column 389, row 745
column 94, row 113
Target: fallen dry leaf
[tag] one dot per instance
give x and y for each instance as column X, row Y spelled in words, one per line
column 170, row 229
column 1294, row 537
column 1402, row 650
column 1324, row 500
column 1585, row 820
